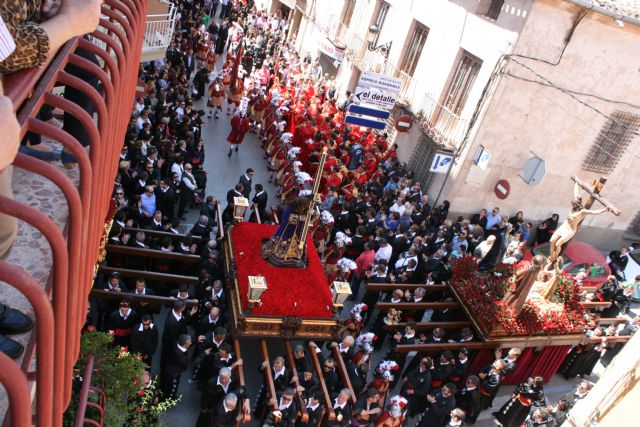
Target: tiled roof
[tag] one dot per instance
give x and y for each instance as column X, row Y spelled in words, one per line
column 629, row 8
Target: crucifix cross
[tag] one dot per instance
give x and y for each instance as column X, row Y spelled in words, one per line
column 593, row 191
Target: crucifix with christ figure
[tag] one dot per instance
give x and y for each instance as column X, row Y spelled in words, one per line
column 579, row 211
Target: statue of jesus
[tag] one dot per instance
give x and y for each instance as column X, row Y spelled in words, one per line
column 569, row 227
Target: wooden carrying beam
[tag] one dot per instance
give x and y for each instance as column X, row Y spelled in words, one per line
column 156, row 233
column 246, row 404
column 424, row 326
column 611, row 320
column 611, row 339
column 271, row 388
column 325, row 392
column 344, row 375
column 380, row 287
column 596, row 304
column 151, row 275
column 436, row 348
column 152, row 253
column 304, row 414
column 149, row 299
column 409, row 306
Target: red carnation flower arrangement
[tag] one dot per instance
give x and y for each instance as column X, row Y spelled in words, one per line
column 484, row 297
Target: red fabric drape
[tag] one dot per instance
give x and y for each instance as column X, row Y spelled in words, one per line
column 542, row 363
column 480, row 359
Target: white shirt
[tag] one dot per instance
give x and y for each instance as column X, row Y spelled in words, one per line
column 178, row 316
column 224, row 387
column 384, row 253
column 279, row 373
column 282, row 406
column 181, row 348
column 177, row 168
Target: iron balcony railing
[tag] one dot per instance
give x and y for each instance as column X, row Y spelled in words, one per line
column 159, row 31
column 441, row 124
column 60, row 302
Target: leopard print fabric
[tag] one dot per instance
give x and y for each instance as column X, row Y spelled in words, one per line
column 32, row 43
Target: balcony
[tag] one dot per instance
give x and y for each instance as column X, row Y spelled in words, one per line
column 444, row 126
column 158, row 34
column 61, row 213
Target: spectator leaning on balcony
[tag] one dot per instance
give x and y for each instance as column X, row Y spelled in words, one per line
column 24, row 43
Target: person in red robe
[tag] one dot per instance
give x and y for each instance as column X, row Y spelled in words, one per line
column 239, row 128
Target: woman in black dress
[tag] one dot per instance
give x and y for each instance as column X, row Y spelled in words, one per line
column 527, row 395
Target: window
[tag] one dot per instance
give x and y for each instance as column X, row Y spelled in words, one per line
column 633, row 233
column 462, row 82
column 380, row 16
column 347, row 12
column 495, row 9
column 421, row 160
column 612, row 142
column 413, row 49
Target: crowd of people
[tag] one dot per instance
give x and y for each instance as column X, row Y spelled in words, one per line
column 375, row 225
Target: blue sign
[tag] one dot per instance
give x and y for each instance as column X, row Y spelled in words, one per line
column 363, row 121
column 367, row 111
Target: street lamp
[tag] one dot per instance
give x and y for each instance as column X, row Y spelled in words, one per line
column 371, row 42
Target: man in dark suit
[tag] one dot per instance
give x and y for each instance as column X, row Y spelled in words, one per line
column 358, row 377
column 287, row 412
column 174, row 326
column 165, row 200
column 175, row 362
column 227, row 413
column 213, row 393
column 468, row 399
column 202, row 228
column 189, row 61
column 143, row 308
column 260, row 202
column 227, row 214
column 246, row 180
column 210, row 209
column 331, row 378
column 416, row 386
column 314, row 409
column 441, row 404
column 144, row 339
column 121, row 322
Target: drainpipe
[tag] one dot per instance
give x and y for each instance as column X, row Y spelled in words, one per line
column 604, row 11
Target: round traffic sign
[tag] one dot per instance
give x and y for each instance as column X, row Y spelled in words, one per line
column 502, row 189
column 403, row 124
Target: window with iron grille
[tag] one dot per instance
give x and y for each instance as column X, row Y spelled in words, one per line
column 633, row 231
column 612, row 142
column 347, row 12
column 413, row 48
column 381, row 15
column 462, row 82
column 421, row 161
column 495, row 9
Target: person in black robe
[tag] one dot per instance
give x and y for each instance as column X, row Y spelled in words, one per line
column 495, row 253
column 174, row 363
column 121, row 322
column 490, row 379
column 366, row 409
column 315, row 410
column 526, row 395
column 174, row 326
column 416, row 386
column 223, row 34
column 144, row 339
column 468, row 399
column 440, row 406
column 286, row 413
column 227, row 412
column 212, row 394
column 342, row 409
